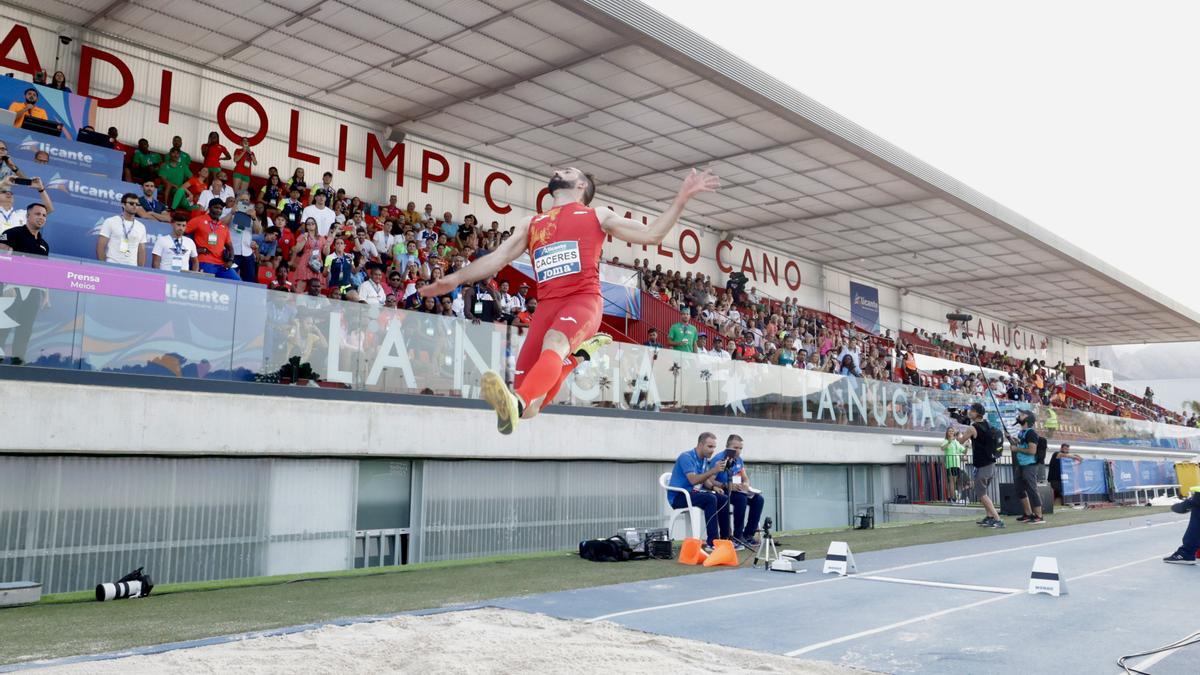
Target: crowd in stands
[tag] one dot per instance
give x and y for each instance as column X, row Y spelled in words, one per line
column 316, row 239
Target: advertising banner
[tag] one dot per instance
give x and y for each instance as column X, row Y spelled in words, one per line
column 73, row 112
column 64, row 153
column 62, row 275
column 1125, row 474
column 77, row 188
column 1084, row 478
column 864, row 306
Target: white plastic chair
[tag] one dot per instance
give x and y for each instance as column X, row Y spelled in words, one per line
column 691, row 517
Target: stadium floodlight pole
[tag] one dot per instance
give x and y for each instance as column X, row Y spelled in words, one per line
column 966, row 319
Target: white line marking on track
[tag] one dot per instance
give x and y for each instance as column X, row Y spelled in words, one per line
column 942, row 584
column 698, row 601
column 934, row 615
column 1155, row 658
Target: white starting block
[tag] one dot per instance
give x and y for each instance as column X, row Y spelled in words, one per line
column 788, row 561
column 1045, row 577
column 839, row 559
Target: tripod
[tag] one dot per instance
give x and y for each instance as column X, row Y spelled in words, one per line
column 766, row 552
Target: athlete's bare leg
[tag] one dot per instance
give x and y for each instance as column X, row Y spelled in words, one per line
column 556, row 342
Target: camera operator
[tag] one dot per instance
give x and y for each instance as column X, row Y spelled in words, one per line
column 1186, row 553
column 1026, row 469
column 737, row 486
column 983, row 459
column 690, row 473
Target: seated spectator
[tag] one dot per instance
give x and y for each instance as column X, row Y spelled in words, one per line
column 122, row 238
column 28, row 107
column 174, row 173
column 652, row 339
column 372, row 291
column 41, row 157
column 525, row 316
column 692, row 472
column 274, row 192
column 145, row 163
column 176, row 252
column 217, row 189
column 149, row 206
column 325, row 187
column 210, row 232
column 59, row 82
column 747, row 504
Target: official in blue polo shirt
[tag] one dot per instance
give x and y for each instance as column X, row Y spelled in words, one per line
column 740, row 495
column 692, row 473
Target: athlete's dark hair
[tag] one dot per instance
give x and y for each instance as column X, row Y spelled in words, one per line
column 590, row 191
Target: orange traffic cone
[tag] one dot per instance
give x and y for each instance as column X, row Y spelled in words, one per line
column 691, row 553
column 723, row 554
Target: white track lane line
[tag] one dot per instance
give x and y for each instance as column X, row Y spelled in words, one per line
column 686, row 603
column 943, row 584
column 952, row 610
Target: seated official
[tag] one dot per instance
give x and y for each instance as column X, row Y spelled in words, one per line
column 737, row 486
column 691, row 473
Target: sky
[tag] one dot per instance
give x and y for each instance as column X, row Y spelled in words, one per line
column 1081, row 116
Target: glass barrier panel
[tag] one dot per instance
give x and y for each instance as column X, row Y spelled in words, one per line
column 71, row 313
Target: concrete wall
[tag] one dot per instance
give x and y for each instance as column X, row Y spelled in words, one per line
column 109, row 420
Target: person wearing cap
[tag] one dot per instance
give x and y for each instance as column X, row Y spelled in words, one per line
column 522, row 297
column 213, row 243
column 1025, row 456
column 718, row 349
column 702, row 344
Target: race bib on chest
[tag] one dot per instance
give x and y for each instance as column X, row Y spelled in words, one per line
column 556, row 260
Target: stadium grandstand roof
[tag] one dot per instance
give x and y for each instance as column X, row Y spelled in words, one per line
column 617, row 88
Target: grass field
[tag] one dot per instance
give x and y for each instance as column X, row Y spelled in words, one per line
column 74, row 623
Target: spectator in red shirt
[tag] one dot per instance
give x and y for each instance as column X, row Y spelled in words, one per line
column 392, row 211
column 213, row 242
column 214, row 152
column 243, row 160
column 127, row 150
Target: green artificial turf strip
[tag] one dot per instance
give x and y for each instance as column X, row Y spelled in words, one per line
column 73, row 623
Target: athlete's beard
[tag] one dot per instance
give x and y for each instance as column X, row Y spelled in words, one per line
column 559, row 183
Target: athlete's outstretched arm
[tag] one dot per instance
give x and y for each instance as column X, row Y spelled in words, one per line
column 482, row 268
column 634, row 232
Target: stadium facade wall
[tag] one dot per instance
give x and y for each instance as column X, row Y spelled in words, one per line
column 196, row 90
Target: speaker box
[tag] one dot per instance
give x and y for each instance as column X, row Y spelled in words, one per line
column 1010, row 503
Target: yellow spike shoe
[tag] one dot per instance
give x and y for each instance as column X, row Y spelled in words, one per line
column 591, row 345
column 502, row 400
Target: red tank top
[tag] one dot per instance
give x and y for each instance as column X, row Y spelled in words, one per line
column 565, row 244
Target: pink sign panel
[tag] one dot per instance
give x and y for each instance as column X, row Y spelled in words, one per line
column 71, row 276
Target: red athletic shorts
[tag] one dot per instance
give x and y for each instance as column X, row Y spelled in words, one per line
column 576, row 316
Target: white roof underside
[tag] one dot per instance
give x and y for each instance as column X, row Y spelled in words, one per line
column 615, row 87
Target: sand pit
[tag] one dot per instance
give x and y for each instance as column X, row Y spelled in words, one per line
column 472, row 642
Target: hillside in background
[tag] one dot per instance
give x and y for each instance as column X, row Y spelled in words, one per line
column 1172, row 370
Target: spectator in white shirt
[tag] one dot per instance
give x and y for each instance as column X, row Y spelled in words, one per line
column 718, row 349
column 702, row 344
column 385, row 240
column 365, row 247
column 123, row 238
column 522, row 296
column 176, row 252
column 324, row 215
column 372, row 291
column 217, row 189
